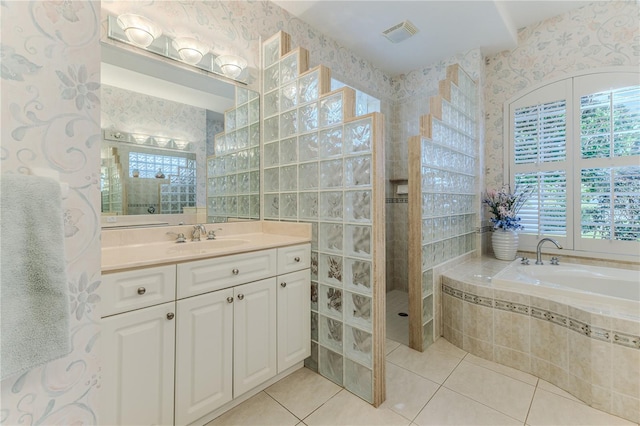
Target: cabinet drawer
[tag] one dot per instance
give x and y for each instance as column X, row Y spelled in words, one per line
column 213, row 274
column 126, row 291
column 294, row 258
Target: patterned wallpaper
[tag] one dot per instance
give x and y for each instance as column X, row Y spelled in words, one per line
column 133, row 112
column 51, row 119
column 50, row 81
column 601, row 34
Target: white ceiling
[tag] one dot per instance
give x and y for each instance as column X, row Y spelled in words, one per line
column 445, row 27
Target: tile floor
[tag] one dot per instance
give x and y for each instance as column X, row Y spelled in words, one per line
column 397, row 326
column 442, row 386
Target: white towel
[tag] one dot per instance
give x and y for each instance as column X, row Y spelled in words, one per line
column 34, row 302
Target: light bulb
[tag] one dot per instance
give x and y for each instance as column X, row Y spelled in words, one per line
column 138, row 29
column 230, row 65
column 190, row 50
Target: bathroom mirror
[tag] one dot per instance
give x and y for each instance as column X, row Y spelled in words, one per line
column 178, row 146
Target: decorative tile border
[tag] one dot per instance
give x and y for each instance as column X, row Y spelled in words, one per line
column 572, row 324
column 396, row 200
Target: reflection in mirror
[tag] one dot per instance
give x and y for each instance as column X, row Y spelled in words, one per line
column 143, row 178
column 160, row 119
column 234, row 169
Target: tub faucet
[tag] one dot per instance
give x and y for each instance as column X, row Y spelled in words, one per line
column 539, row 249
column 198, row 230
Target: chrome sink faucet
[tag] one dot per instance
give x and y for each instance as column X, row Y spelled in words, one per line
column 198, row 230
column 539, row 249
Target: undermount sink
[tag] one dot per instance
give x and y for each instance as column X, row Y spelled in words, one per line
column 205, row 245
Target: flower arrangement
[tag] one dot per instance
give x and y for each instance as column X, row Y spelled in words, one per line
column 504, row 206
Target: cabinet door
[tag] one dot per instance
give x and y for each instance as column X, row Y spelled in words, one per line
column 138, row 359
column 204, row 354
column 254, row 315
column 294, row 318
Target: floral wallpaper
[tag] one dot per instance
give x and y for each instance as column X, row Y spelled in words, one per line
column 51, row 119
column 601, row 34
column 133, row 112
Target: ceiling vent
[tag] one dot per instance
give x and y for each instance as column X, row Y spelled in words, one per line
column 400, row 32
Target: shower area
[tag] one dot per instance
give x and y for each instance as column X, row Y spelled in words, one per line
column 432, row 209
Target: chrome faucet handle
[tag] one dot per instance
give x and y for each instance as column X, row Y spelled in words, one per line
column 180, row 238
column 212, row 234
column 524, row 261
column 555, row 261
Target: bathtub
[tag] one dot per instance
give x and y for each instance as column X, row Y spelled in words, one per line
column 575, row 326
column 609, row 291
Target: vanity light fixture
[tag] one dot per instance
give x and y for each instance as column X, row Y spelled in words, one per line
column 138, row 29
column 190, row 50
column 231, row 66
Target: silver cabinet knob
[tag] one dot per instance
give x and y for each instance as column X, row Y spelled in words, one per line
column 240, row 296
column 283, row 285
column 170, row 315
column 142, row 290
column 235, row 271
column 297, row 259
column 229, row 299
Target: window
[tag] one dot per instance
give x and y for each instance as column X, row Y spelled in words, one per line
column 148, row 165
column 576, row 143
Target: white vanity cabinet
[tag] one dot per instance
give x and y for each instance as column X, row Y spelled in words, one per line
column 254, row 338
column 294, row 318
column 138, row 367
column 234, row 323
column 204, row 354
column 226, row 345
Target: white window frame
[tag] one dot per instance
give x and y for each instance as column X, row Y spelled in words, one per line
column 571, row 88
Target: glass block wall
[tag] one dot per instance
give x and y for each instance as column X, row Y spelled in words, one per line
column 324, row 166
column 442, row 202
column 111, row 189
column 233, row 171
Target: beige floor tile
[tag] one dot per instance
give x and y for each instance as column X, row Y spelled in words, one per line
column 390, row 346
column 302, row 392
column 407, row 392
column 257, row 410
column 347, row 409
column 443, row 345
column 551, row 409
column 450, row 408
column 505, row 394
column 502, row 369
column 543, row 384
column 397, row 327
column 431, row 364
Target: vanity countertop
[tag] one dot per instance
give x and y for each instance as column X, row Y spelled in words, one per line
column 135, row 248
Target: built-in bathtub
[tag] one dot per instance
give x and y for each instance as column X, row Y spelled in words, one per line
column 575, row 326
column 611, row 291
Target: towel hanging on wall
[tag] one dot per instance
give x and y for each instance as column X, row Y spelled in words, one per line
column 34, row 303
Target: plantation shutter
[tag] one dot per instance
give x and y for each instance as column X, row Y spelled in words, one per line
column 540, row 133
column 545, row 212
column 538, row 160
column 609, row 158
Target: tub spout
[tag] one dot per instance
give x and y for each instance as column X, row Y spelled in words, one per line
column 539, row 249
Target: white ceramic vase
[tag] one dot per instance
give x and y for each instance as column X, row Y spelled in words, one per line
column 505, row 243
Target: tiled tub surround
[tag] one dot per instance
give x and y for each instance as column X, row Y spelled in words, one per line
column 594, row 356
